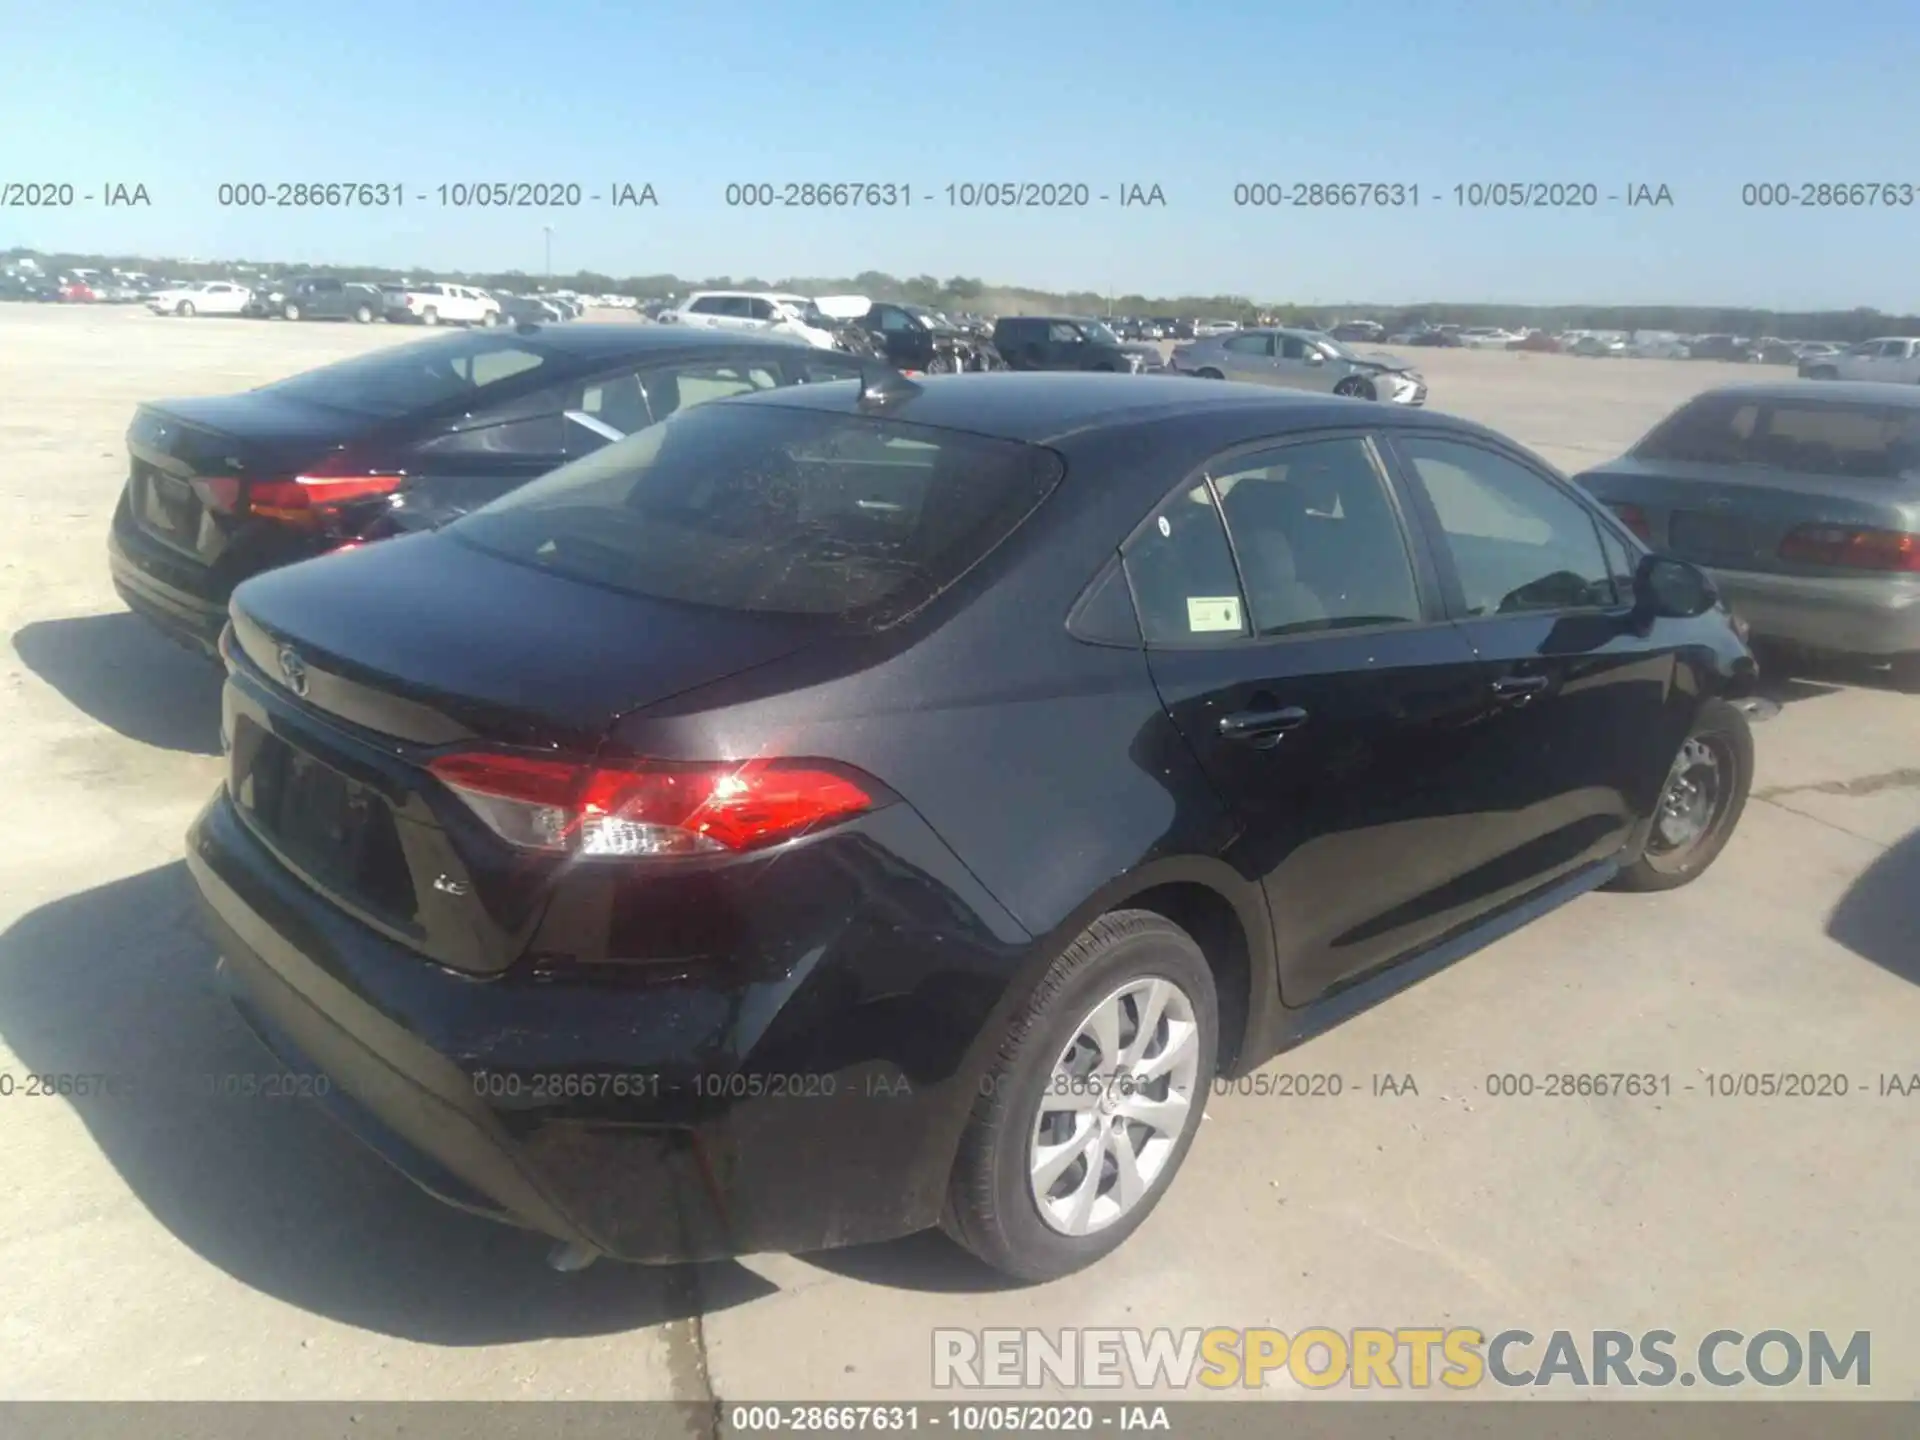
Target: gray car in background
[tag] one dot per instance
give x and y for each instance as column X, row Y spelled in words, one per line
column 1802, row 500
column 1301, row 360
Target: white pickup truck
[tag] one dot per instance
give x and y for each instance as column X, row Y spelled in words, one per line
column 438, row 303
column 1891, row 358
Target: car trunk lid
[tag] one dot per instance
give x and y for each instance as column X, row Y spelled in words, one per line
column 1730, row 518
column 194, row 464
column 356, row 671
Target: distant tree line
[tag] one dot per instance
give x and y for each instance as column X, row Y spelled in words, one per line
column 965, row 293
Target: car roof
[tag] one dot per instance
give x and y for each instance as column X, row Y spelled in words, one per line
column 616, row 339
column 1045, row 407
column 1880, row 393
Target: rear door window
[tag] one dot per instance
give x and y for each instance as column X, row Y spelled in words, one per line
column 1319, row 544
column 766, row 508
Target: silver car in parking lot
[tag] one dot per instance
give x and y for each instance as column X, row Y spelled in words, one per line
column 1802, row 499
column 1301, row 360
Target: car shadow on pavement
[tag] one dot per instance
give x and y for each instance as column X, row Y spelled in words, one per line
column 1879, row 916
column 118, row 981
column 927, row 1261
column 118, row 670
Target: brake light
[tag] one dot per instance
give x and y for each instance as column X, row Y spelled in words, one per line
column 307, row 500
column 1853, row 548
column 1635, row 519
column 647, row 807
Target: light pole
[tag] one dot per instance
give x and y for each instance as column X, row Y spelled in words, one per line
column 549, row 233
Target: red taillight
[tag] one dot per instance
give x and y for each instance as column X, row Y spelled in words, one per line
column 1635, row 519
column 1853, row 548
column 647, row 808
column 306, row 499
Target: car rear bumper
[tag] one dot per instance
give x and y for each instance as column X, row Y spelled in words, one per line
column 639, row 1119
column 1877, row 617
column 154, row 587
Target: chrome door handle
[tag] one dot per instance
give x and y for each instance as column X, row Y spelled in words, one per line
column 1518, row 688
column 1261, row 724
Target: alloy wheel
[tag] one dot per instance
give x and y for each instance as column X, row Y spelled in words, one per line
column 1115, row 1105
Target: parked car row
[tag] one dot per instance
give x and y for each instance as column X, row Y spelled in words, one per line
column 326, row 297
column 632, row 735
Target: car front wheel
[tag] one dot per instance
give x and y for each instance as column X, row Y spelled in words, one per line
column 1700, row 803
column 1358, row 387
column 1092, row 1102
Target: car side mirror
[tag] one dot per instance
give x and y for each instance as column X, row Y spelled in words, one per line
column 1314, row 357
column 1668, row 589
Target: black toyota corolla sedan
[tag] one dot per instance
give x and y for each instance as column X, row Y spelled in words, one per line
column 402, row 438
column 840, row 811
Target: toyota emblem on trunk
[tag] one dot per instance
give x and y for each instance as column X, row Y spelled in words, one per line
column 293, row 670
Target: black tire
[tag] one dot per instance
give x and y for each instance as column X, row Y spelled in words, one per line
column 1722, row 729
column 363, row 315
column 1823, row 372
column 991, row 1209
column 185, row 307
column 430, row 316
column 490, row 319
column 1358, row 387
column 1211, row 374
column 289, row 312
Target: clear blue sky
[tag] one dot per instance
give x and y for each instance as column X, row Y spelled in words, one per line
column 1699, row 95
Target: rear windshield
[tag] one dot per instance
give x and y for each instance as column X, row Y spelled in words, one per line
column 1866, row 442
column 413, row 377
column 762, row 508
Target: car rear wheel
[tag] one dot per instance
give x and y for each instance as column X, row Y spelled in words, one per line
column 185, row 307
column 1357, row 386
column 1092, row 1101
column 363, row 315
column 290, row 311
column 1705, row 791
column 1211, row 374
column 1823, row 372
column 430, row 316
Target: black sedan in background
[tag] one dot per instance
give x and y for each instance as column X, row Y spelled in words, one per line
column 838, row 811
column 403, row 438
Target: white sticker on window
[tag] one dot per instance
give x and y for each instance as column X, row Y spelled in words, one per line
column 1213, row 612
